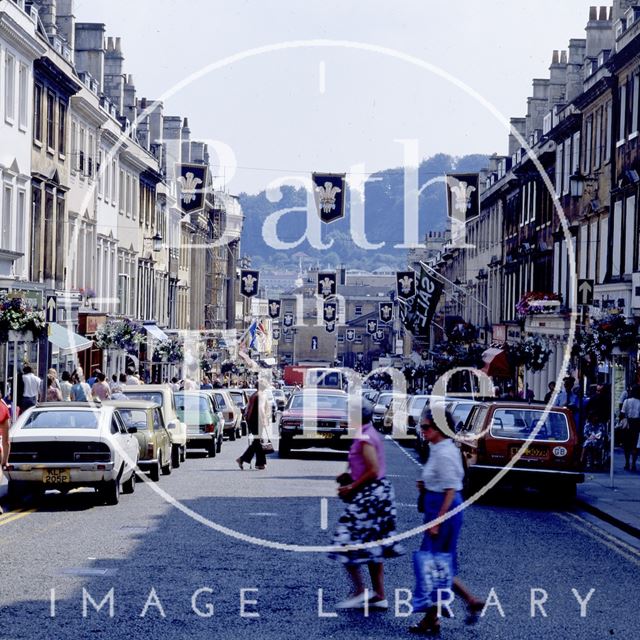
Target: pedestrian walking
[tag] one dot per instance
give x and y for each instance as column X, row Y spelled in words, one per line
column 31, row 388
column 440, row 489
column 100, row 389
column 256, row 426
column 369, row 516
column 5, row 424
column 53, row 392
column 549, row 394
column 631, row 412
column 80, row 390
column 65, row 386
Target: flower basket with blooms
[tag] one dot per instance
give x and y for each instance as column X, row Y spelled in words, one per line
column 125, row 335
column 17, row 315
column 605, row 333
column 461, row 333
column 535, row 352
column 170, row 351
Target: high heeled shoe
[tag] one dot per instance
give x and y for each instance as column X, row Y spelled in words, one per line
column 426, row 629
column 474, row 609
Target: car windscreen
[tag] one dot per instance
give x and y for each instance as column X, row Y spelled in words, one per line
column 150, row 396
column 518, row 424
column 238, row 398
column 417, row 404
column 222, row 403
column 62, row 420
column 193, row 408
column 460, row 413
column 385, row 399
column 134, row 418
column 319, row 401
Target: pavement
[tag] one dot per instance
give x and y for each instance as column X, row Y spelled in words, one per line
column 618, row 505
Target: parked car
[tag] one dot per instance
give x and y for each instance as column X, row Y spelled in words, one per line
column 198, row 410
column 240, row 398
column 496, row 432
column 381, row 406
column 232, row 415
column 154, row 439
column 460, row 410
column 371, row 395
column 64, row 445
column 315, row 418
column 280, row 398
column 162, row 395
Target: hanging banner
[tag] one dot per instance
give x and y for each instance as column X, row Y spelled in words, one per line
column 329, row 191
column 378, row 336
column 287, row 321
column 330, row 310
column 350, row 335
column 276, row 333
column 385, row 312
column 330, row 327
column 249, row 279
column 274, row 309
column 463, row 196
column 327, row 284
column 372, row 326
column 428, row 292
column 192, row 181
column 406, row 284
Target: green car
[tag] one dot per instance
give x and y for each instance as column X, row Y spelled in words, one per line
column 153, row 437
column 197, row 409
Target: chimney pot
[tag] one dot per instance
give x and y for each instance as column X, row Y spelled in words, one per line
column 563, row 57
column 593, row 13
column 119, row 45
column 554, row 57
column 603, row 13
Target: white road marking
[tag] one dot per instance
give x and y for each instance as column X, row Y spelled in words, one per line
column 324, row 514
column 406, row 453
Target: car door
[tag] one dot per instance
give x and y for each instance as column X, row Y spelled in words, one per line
column 128, row 442
column 161, row 434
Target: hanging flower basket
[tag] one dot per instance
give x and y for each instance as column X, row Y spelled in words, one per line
column 538, row 302
column 170, row 351
column 124, row 335
column 463, row 332
column 605, row 333
column 16, row 315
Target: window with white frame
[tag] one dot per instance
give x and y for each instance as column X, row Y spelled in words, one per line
column 21, row 241
column 91, row 153
column 622, row 92
column 583, row 249
column 75, row 157
column 23, row 96
column 9, row 87
column 566, row 166
column 114, row 183
column 121, row 192
column 602, row 248
column 575, row 163
column 559, row 170
column 634, row 103
column 588, row 142
column 617, row 238
column 7, row 214
column 597, row 151
column 629, row 233
column 592, row 247
column 607, row 131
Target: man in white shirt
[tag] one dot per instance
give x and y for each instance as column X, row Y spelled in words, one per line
column 32, row 386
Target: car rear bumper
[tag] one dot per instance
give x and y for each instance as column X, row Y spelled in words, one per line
column 529, row 475
column 86, row 474
column 202, row 439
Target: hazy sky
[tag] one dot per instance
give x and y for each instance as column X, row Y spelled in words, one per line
column 295, row 110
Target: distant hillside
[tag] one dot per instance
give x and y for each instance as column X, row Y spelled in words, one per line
column 384, row 213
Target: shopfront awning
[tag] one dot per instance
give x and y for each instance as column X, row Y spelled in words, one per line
column 155, row 331
column 66, row 340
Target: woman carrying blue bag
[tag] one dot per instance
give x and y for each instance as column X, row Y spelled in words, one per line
column 436, row 565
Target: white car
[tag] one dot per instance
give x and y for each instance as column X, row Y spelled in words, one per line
column 64, row 445
column 162, row 395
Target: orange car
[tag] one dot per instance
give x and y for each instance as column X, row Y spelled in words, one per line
column 496, row 432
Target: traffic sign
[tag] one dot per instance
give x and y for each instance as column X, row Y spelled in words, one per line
column 51, row 311
column 585, row 291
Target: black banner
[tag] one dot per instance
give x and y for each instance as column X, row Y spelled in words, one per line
column 274, row 309
column 372, row 326
column 329, row 191
column 350, row 335
column 330, row 327
column 330, row 311
column 428, row 292
column 276, row 333
column 287, row 321
column 385, row 312
column 406, row 284
column 327, row 284
column 192, row 179
column 249, row 279
column 463, row 196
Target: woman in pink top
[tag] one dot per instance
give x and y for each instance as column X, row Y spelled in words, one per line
column 100, row 389
column 370, row 516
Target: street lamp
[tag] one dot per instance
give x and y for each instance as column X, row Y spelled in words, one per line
column 157, row 241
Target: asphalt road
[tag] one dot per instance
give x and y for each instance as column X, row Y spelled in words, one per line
column 150, row 550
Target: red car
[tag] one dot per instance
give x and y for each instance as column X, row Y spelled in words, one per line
column 315, row 418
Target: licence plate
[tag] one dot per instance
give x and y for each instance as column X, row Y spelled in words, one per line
column 56, row 476
column 532, row 452
column 326, row 436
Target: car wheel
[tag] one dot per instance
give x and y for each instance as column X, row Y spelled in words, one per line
column 183, row 453
column 284, row 448
column 166, row 468
column 232, row 434
column 154, row 472
column 243, row 430
column 238, row 433
column 211, row 449
column 130, row 485
column 175, row 456
column 111, row 492
column 15, row 492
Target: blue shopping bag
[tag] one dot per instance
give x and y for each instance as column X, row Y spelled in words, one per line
column 433, row 571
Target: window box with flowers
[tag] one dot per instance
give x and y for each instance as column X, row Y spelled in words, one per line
column 168, row 351
column 123, row 335
column 536, row 302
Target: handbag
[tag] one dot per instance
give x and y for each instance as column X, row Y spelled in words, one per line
column 267, row 446
column 433, row 572
column 343, row 480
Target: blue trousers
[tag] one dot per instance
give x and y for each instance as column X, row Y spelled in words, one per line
column 447, row 539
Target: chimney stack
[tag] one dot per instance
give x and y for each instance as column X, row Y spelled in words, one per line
column 537, row 105
column 89, row 50
column 48, row 13
column 129, row 100
column 557, row 80
column 520, row 125
column 599, row 32
column 575, row 64
column 66, row 22
column 186, row 141
column 113, row 74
